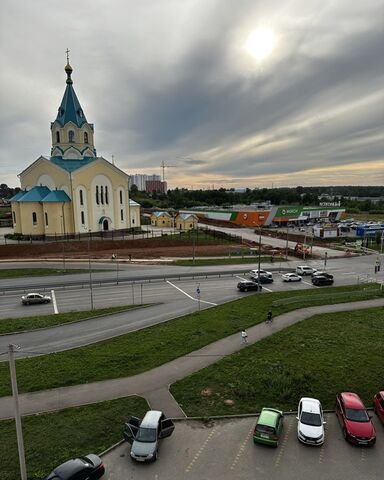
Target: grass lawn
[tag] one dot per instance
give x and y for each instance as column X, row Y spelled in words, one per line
column 53, row 438
column 145, row 349
column 9, row 325
column 234, row 260
column 38, row 272
column 317, row 358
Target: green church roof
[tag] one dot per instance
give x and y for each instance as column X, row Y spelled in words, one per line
column 70, row 109
column 36, row 194
column 56, row 196
column 71, row 165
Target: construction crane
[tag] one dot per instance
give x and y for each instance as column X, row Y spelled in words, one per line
column 163, row 166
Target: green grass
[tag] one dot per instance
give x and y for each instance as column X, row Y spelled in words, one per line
column 324, row 355
column 234, row 260
column 53, row 438
column 145, row 349
column 38, row 272
column 10, row 325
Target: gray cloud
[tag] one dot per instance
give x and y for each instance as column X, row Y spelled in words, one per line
column 170, row 81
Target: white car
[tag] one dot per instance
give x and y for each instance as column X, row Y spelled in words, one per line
column 291, row 277
column 263, row 273
column 310, row 422
column 33, row 298
column 305, row 270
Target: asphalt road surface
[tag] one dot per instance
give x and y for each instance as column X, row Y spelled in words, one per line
column 225, row 450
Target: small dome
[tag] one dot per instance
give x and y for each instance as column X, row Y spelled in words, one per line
column 68, row 69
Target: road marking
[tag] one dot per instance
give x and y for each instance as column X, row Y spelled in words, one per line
column 199, row 452
column 349, row 273
column 241, row 449
column 189, row 296
column 363, row 455
column 54, row 301
column 310, row 284
column 283, row 444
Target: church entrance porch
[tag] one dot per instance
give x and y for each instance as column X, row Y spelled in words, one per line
column 105, row 224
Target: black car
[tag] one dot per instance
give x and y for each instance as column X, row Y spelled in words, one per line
column 322, row 274
column 246, row 285
column 320, row 280
column 88, row 468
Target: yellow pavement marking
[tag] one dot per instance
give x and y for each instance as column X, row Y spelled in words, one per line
column 242, row 448
column 283, row 444
column 363, row 455
column 199, row 452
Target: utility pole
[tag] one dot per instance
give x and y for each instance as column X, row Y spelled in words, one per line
column 19, row 431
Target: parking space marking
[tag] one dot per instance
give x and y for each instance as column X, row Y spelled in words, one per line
column 199, row 452
column 190, row 296
column 54, row 301
column 363, row 455
column 349, row 273
column 283, row 443
column 242, row 448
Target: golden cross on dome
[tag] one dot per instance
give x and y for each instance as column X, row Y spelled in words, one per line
column 67, row 52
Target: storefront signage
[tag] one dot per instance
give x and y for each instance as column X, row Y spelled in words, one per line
column 329, row 204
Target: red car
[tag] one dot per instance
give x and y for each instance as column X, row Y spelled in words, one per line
column 354, row 419
column 378, row 405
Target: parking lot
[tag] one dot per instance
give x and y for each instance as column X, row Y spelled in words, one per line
column 224, row 449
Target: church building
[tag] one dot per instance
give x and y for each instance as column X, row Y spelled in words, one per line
column 73, row 191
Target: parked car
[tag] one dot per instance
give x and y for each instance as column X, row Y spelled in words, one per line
column 144, row 435
column 321, row 272
column 320, row 280
column 245, row 285
column 291, row 277
column 268, row 427
column 305, row 270
column 310, row 421
column 255, row 273
column 32, row 298
column 355, row 422
column 90, row 467
column 378, row 405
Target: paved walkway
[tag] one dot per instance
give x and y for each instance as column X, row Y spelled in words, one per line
column 153, row 385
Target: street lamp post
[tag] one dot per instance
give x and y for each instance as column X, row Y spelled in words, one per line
column 90, row 270
column 258, row 272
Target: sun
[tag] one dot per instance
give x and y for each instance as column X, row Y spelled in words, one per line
column 260, row 43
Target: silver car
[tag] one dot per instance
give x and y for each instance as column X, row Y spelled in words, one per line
column 32, row 298
column 144, row 435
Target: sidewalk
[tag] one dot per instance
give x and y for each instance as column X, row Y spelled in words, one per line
column 154, row 384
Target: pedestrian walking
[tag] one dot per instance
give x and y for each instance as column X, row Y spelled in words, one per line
column 244, row 337
column 269, row 317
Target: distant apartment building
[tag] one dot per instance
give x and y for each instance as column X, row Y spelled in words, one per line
column 140, row 180
column 155, row 186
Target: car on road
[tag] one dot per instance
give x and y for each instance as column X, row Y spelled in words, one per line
column 246, row 285
column 321, row 272
column 378, row 405
column 310, row 421
column 353, row 417
column 255, row 273
column 89, row 467
column 291, row 277
column 305, row 270
column 33, row 298
column 320, row 280
column 268, row 427
column 144, row 435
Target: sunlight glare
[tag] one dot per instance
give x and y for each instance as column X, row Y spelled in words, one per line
column 260, row 43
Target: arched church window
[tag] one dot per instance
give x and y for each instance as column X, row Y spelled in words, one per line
column 97, row 194
column 81, row 197
column 121, row 197
column 71, row 136
column 85, row 137
column 106, row 195
column 57, row 137
column 102, row 195
column 34, row 218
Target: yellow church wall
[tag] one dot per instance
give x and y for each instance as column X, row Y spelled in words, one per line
column 60, row 220
column 59, row 176
column 26, row 211
column 16, row 214
column 78, row 136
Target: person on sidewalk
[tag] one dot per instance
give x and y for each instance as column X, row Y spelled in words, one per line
column 244, row 337
column 269, row 317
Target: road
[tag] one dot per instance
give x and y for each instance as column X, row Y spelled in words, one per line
column 224, row 449
column 173, row 298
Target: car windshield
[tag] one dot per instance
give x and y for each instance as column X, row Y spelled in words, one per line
column 264, row 429
column 312, row 419
column 356, row 415
column 146, row 435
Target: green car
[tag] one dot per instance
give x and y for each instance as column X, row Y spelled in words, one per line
column 268, row 427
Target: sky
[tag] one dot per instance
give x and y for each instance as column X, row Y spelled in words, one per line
column 245, row 93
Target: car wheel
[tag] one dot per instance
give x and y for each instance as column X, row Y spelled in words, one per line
column 155, row 455
column 345, row 435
